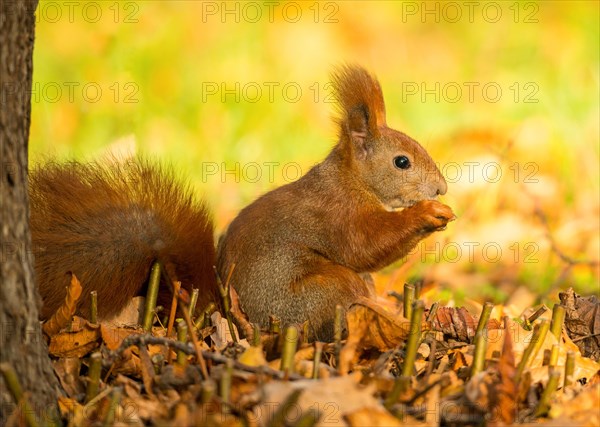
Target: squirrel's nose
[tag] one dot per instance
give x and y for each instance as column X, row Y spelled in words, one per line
column 442, row 187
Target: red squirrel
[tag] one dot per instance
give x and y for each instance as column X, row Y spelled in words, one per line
column 298, row 250
column 305, row 247
column 107, row 224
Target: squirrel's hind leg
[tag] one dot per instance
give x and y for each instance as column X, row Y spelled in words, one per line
column 321, row 290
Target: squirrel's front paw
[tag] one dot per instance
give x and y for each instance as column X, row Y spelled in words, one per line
column 433, row 215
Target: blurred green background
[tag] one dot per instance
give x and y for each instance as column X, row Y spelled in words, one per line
column 504, row 95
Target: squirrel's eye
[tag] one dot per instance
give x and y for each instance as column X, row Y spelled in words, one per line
column 402, row 162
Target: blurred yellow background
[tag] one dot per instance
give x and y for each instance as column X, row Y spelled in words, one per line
column 504, row 96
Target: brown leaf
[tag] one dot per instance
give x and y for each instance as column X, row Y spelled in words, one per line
column 238, row 314
column 113, row 337
column 334, row 398
column 385, row 327
column 61, row 318
column 506, row 389
column 581, row 409
column 458, row 323
column 253, row 356
column 582, row 322
column 372, row 417
column 67, row 370
column 479, row 390
column 75, row 344
column 372, row 324
column 147, row 369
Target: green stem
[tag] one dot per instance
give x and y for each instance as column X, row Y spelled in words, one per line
column 182, row 333
column 289, row 350
column 484, row 318
column 558, row 318
column 14, row 386
column 226, row 299
column 317, row 359
column 151, row 297
column 117, row 393
column 539, row 335
column 479, row 356
column 544, row 403
column 225, row 389
column 409, row 299
column 569, row 368
column 413, row 339
column 410, row 355
column 194, row 301
column 94, row 307
column 94, row 376
column 280, row 416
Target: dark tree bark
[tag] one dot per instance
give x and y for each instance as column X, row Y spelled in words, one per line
column 21, row 342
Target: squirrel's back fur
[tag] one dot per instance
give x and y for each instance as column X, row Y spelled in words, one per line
column 107, row 224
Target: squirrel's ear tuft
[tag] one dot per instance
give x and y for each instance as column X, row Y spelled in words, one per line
column 360, row 102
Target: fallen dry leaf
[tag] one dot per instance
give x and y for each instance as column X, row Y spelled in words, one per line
column 68, row 372
column 113, row 336
column 373, row 324
column 458, row 323
column 65, row 312
column 373, row 417
column 504, row 398
column 333, row 398
column 582, row 322
column 75, row 344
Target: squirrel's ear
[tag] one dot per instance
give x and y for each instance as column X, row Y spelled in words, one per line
column 361, row 106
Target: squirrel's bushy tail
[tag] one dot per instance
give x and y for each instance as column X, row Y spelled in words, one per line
column 107, row 223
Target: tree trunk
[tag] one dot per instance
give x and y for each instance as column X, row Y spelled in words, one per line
column 21, row 344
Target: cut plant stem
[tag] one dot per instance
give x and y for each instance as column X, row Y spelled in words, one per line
column 569, row 368
column 305, row 332
column 553, row 359
column 401, row 384
column 484, row 318
column 275, row 331
column 255, row 335
column 14, row 386
column 208, row 310
column 410, row 355
column 193, row 301
column 225, row 386
column 558, row 318
column 289, row 350
column 337, row 332
column 151, row 297
column 182, row 333
column 544, row 403
column 432, row 311
column 479, row 355
column 117, row 393
column 410, row 352
column 274, row 325
column 94, row 307
column 309, row 419
column 409, row 299
column 536, row 315
column 226, row 299
column 317, row 359
column 94, row 376
column 176, row 289
column 539, row 335
column 281, row 415
column 202, row 318
column 208, row 391
column 195, row 342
